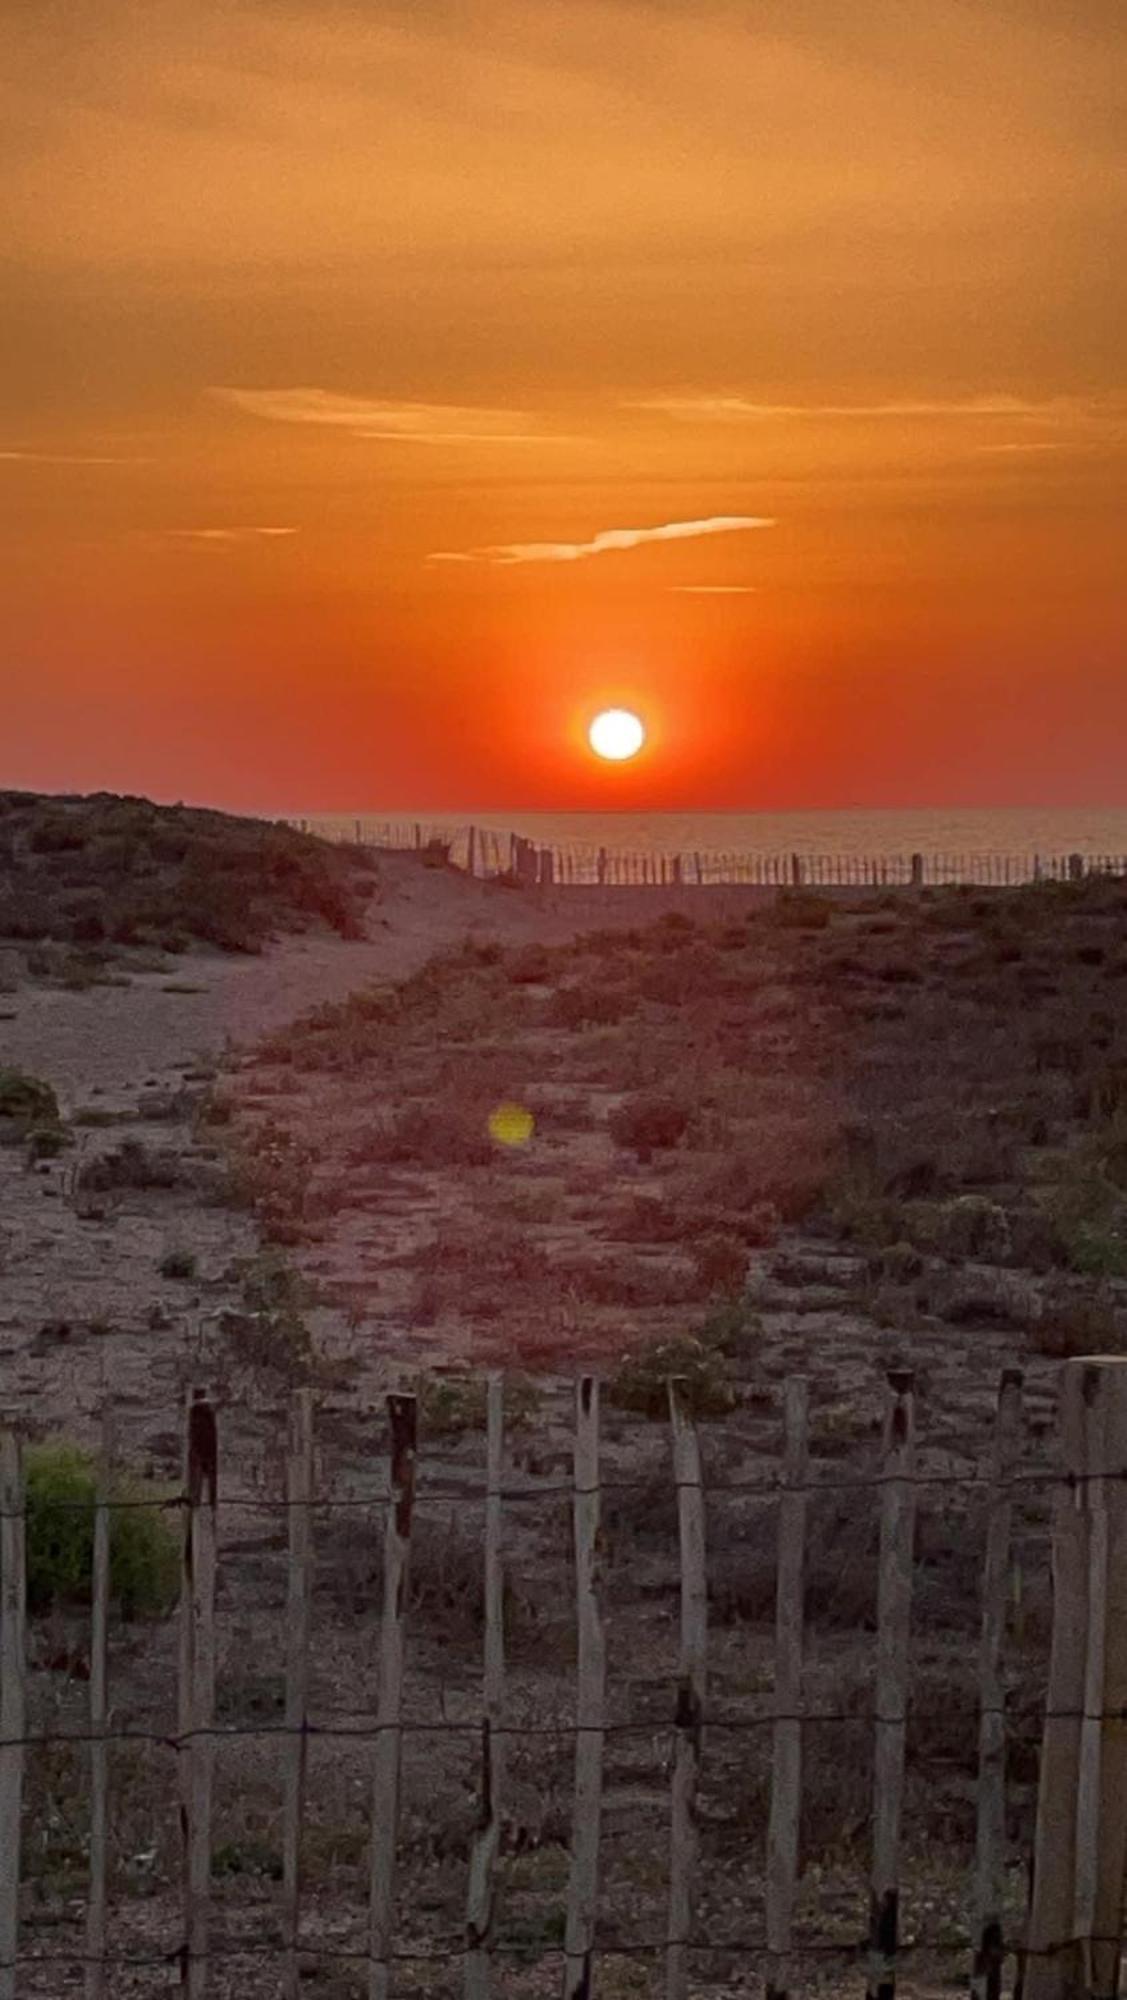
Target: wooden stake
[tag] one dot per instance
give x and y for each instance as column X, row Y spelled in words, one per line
column 480, row 1904
column 894, row 1605
column 786, row 1775
column 402, row 1414
column 299, row 1599
column 583, row 1885
column 197, row 1684
column 986, row 1979
column 13, row 1709
column 99, row 1711
column 1080, row 1861
column 684, row 1838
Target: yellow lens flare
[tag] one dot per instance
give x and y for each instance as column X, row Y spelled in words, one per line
column 511, row 1124
column 616, row 734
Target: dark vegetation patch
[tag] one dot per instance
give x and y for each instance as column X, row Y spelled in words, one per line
column 936, row 1082
column 85, row 879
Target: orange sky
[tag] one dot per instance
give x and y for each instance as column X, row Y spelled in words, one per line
column 304, row 300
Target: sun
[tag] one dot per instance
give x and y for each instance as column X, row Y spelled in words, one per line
column 616, row 734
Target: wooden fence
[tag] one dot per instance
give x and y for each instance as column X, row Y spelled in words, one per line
column 1071, row 1942
column 488, row 854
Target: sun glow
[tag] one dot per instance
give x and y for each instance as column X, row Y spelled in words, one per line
column 616, row 734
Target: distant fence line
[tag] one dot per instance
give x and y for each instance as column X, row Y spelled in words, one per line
column 1074, row 1928
column 488, row 854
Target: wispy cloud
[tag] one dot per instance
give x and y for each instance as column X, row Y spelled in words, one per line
column 65, row 458
column 610, row 541
column 714, row 589
column 226, row 537
column 739, row 409
column 405, row 423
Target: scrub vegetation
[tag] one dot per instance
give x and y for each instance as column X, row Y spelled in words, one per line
column 89, row 884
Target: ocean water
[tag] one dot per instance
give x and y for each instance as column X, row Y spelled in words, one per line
column 1015, row 831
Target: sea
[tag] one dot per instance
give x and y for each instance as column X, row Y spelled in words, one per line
column 864, row 832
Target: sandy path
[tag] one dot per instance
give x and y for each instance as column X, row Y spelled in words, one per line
column 110, row 1039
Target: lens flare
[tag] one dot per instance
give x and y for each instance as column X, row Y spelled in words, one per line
column 511, row 1125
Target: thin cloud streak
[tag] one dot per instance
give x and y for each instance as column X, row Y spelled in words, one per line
column 739, row 409
column 611, row 541
column 65, row 458
column 402, row 423
column 224, row 537
column 714, row 589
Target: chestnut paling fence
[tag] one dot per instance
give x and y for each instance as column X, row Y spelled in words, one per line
column 1069, row 1943
column 488, row 854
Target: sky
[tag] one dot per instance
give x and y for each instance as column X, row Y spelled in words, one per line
column 388, row 387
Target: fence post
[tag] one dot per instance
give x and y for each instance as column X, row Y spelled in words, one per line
column 917, row 871
column 99, row 1708
column 786, row 1776
column 197, row 1682
column 894, row 1606
column 13, row 1721
column 796, row 870
column 986, row 1979
column 684, row 1838
column 402, row 1414
column 1076, row 1917
column 583, row 1884
column 487, row 1841
column 299, row 1506
column 471, row 851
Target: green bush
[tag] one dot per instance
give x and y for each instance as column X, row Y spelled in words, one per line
column 641, row 1382
column 61, row 1484
column 27, row 1101
column 450, row 1405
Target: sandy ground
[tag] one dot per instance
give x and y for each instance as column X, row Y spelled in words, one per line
column 87, row 1316
column 112, row 1039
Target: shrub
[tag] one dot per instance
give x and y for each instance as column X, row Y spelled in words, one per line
column 131, row 1165
column 1075, row 1322
column 641, row 1382
column 449, row 1405
column 647, row 1122
column 61, row 1484
column 269, row 1333
column 178, row 1264
column 801, row 910
column 731, row 1328
column 26, row 1102
column 721, row 1263
column 46, row 1142
column 584, row 1006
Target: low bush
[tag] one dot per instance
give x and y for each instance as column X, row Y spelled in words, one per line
column 131, row 1165
column 26, row 1102
column 450, row 1405
column 648, row 1122
column 720, row 1263
column 641, row 1382
column 178, row 1264
column 800, row 910
column 61, row 1486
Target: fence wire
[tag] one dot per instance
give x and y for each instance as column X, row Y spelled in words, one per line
column 1021, row 1720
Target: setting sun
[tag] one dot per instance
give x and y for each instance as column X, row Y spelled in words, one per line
column 616, row 734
